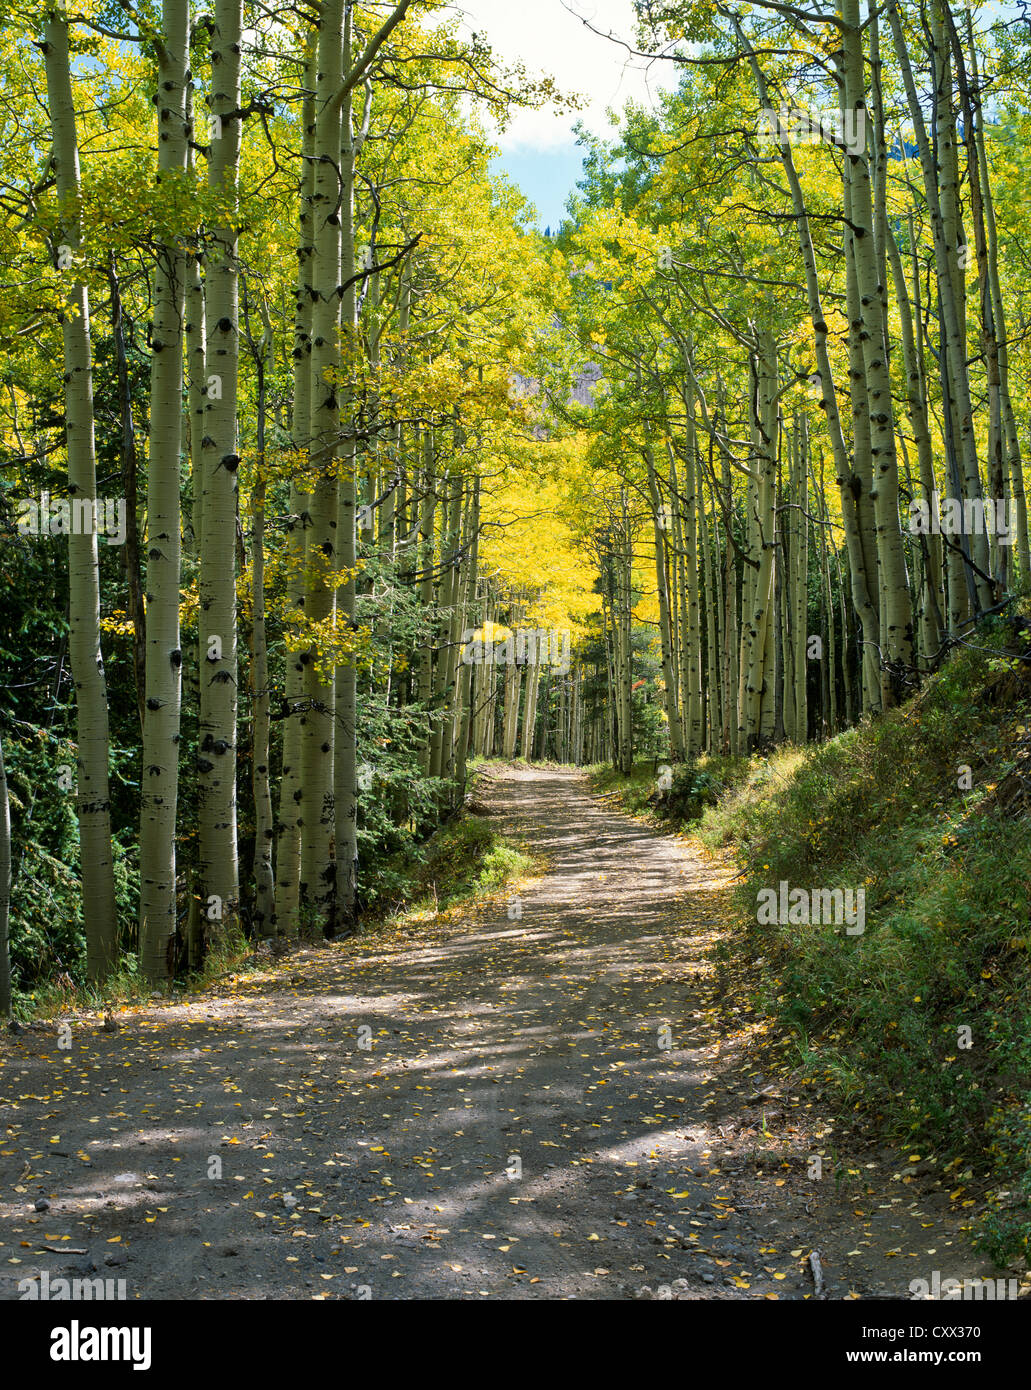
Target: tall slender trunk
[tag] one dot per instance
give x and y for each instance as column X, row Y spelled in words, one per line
column 160, row 775
column 92, row 802
column 216, row 760
column 130, row 484
column 196, row 365
column 513, row 686
column 426, row 557
column 318, row 877
column 345, row 756
column 289, row 824
column 533, row 680
column 712, row 624
column 865, row 238
column 449, row 631
column 624, row 637
column 264, row 833
column 864, row 592
column 829, row 663
column 264, row 830
column 729, row 672
column 943, row 201
column 760, row 615
column 464, row 716
column 694, row 712
column 676, row 736
column 1010, row 473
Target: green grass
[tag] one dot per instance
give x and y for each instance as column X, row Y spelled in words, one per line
column 694, row 786
column 632, row 792
column 946, row 869
column 463, row 861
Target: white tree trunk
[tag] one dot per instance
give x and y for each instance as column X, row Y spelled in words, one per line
column 92, row 798
column 216, row 759
column 160, row 773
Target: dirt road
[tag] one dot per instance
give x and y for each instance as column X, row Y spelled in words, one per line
column 550, row 1099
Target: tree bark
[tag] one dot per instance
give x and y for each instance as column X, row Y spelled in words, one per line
column 216, row 760
column 92, row 802
column 318, row 874
column 160, row 775
column 289, row 825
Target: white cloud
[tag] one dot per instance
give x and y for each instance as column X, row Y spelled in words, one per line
column 549, row 38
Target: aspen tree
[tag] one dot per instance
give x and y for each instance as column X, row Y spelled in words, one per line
column 464, row 619
column 465, row 682
column 427, row 551
column 871, row 280
column 345, row 758
column 562, row 737
column 196, row 378
column 759, row 630
column 784, row 693
column 512, row 696
column 800, row 584
column 220, row 461
column 92, row 803
column 450, row 631
column 130, row 482
column 624, row 629
column 768, row 692
column 828, row 665
column 693, row 645
column 578, row 717
column 195, row 332
column 1006, row 468
column 340, row 879
column 786, row 579
column 318, row 722
column 731, row 703
column 533, row 677
column 942, row 203
column 916, row 397
column 160, row 770
column 750, row 569
column 861, row 475
column 290, row 819
column 488, row 695
column 665, row 622
column 714, row 720
column 864, row 587
column 264, row 832
column 679, row 618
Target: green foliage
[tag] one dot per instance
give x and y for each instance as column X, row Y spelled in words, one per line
column 632, row 793
column 46, row 926
column 879, row 1016
column 697, row 784
column 470, row 856
column 463, row 860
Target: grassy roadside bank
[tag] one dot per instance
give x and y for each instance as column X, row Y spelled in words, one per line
column 921, row 1024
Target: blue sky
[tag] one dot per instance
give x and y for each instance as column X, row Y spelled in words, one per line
column 547, row 177
column 538, row 150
